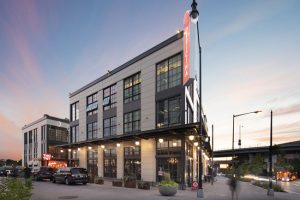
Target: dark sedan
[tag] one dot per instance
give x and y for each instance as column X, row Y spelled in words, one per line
column 44, row 173
column 71, row 175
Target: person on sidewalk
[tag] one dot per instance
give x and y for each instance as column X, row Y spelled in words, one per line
column 233, row 185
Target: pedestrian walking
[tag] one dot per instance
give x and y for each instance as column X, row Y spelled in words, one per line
column 233, row 185
column 27, row 172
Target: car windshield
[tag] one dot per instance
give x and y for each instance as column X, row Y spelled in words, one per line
column 78, row 171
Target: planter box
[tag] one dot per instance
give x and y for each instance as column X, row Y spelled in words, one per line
column 144, row 185
column 167, row 190
column 99, row 181
column 117, row 183
column 130, row 184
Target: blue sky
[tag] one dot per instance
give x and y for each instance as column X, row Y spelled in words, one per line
column 250, row 59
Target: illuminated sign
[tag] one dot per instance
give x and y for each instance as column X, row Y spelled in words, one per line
column 106, row 101
column 186, row 47
column 46, row 156
column 92, row 106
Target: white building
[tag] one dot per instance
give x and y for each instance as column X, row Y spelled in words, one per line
column 141, row 118
column 40, row 137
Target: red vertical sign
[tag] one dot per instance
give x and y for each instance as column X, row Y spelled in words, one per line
column 186, row 47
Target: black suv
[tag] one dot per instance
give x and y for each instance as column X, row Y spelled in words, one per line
column 44, row 173
column 71, row 175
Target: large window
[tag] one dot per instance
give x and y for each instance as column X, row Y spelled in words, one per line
column 132, row 88
column 168, row 112
column 92, row 104
column 75, row 111
column 109, row 97
column 74, row 134
column 57, row 134
column 92, row 130
column 110, row 126
column 132, row 161
column 168, row 155
column 92, row 162
column 25, row 138
column 132, row 121
column 110, row 163
column 169, row 73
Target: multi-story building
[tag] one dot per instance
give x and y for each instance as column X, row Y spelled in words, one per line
column 40, row 138
column 140, row 118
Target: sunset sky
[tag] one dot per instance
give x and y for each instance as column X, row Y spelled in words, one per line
column 251, row 54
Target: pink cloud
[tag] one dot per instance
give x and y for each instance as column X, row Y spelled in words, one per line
column 10, row 142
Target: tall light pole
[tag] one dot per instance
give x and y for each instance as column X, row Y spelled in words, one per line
column 234, row 116
column 270, row 190
column 194, row 18
column 240, row 140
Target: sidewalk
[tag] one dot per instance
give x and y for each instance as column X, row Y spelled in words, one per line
column 218, row 191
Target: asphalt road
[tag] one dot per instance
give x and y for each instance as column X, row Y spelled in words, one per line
column 291, row 187
column 219, row 191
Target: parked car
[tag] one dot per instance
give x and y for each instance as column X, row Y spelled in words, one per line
column 3, row 173
column 71, row 175
column 44, row 173
column 9, row 172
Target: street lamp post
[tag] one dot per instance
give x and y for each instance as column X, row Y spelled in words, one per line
column 234, row 116
column 270, row 190
column 240, row 140
column 194, row 18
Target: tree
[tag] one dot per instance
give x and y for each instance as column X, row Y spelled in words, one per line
column 257, row 166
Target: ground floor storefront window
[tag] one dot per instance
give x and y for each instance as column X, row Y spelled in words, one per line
column 110, row 163
column 168, row 159
column 92, row 163
column 132, row 162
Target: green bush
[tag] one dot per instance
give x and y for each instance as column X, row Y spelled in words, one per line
column 15, row 189
column 265, row 185
column 167, row 181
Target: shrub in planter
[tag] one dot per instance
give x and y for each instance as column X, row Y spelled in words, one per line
column 117, row 183
column 99, row 180
column 130, row 182
column 143, row 185
column 167, row 187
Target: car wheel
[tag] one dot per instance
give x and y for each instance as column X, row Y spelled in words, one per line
column 53, row 180
column 67, row 181
column 84, row 183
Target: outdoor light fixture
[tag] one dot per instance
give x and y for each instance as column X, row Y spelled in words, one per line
column 102, row 146
column 137, row 143
column 198, row 148
column 61, row 151
column 191, row 137
column 78, row 149
column 69, row 150
column 160, row 140
column 118, row 144
column 90, row 148
column 194, row 13
column 178, row 31
column 174, row 144
column 196, row 144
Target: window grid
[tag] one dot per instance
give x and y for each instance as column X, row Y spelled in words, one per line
column 74, row 134
column 132, row 121
column 111, row 94
column 110, row 126
column 92, row 130
column 75, row 111
column 132, row 88
column 168, row 112
column 169, row 73
column 91, row 100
